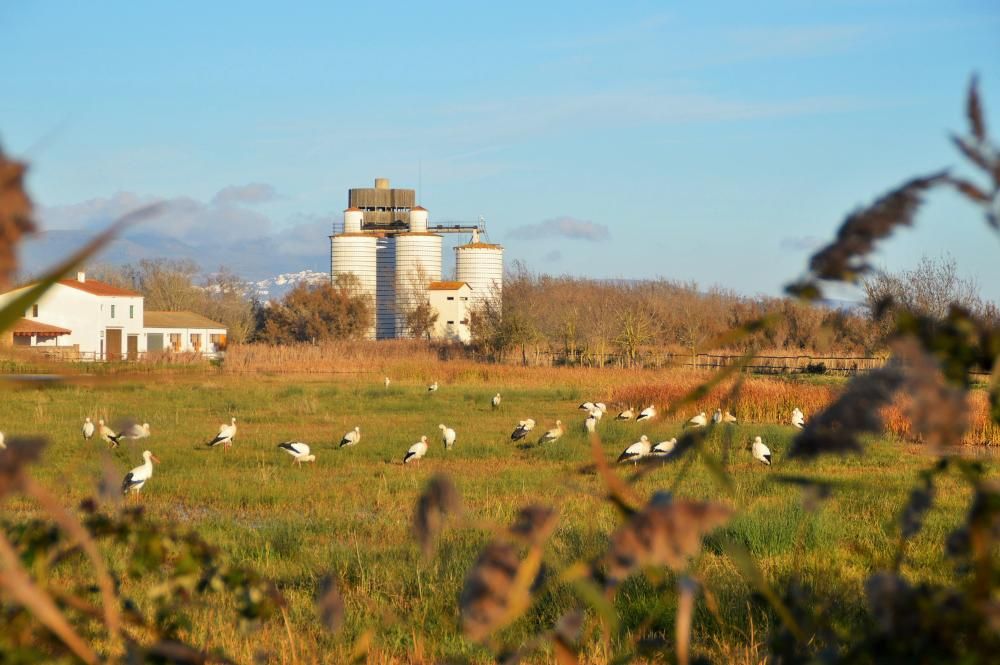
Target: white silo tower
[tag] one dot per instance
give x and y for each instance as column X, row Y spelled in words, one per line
column 480, row 265
column 418, row 262
column 353, row 252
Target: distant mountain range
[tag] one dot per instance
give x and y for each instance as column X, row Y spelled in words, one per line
column 270, row 271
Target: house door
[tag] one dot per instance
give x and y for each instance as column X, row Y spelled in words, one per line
column 133, row 347
column 113, row 336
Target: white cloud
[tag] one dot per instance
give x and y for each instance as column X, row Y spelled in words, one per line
column 563, row 227
column 255, row 192
column 224, row 219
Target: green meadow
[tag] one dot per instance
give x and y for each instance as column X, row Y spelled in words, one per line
column 350, row 513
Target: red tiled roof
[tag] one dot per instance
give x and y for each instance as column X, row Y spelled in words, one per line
column 30, row 327
column 419, row 208
column 446, row 286
column 99, row 288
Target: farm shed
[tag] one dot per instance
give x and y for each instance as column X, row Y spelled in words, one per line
column 183, row 332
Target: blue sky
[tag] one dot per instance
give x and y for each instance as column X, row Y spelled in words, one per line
column 712, row 142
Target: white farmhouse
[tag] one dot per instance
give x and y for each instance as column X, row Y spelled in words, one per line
column 451, row 302
column 183, row 332
column 92, row 320
column 104, row 321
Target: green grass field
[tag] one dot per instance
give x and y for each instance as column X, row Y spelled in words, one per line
column 349, row 514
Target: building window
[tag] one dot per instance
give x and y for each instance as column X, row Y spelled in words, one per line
column 196, row 342
column 451, row 323
column 175, row 341
column 218, row 341
column 34, row 311
column 464, row 298
column 131, row 311
column 112, row 311
column 451, row 297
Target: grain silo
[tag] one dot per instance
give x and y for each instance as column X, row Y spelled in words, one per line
column 418, row 263
column 480, row 265
column 353, row 252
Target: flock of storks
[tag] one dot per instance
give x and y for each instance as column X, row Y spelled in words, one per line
column 300, row 452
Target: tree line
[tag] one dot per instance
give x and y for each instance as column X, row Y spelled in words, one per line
column 577, row 319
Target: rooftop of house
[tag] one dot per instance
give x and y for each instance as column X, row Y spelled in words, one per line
column 98, row 288
column 33, row 327
column 446, row 286
column 179, row 320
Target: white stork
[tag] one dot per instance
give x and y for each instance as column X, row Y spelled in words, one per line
column 798, row 419
column 298, row 450
column 447, row 436
column 351, row 438
column 134, row 431
column 553, row 434
column 107, row 433
column 761, row 452
column 636, row 451
column 587, row 406
column 416, row 451
column 137, row 477
column 496, row 401
column 627, row 414
column 728, row 418
column 647, row 413
column 664, row 448
column 88, row 429
column 698, row 421
column 387, row 382
column 225, row 436
column 597, row 412
column 590, row 424
column 717, row 416
column 433, row 387
column 602, row 406
column 522, row 429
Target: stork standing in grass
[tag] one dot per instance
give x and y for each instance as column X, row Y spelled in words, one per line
column 433, row 387
column 590, row 424
column 225, row 436
column 798, row 419
column 107, row 433
column 351, row 438
column 627, row 414
column 717, row 416
column 387, row 382
column 137, row 477
column 298, row 450
column 664, row 448
column 598, row 411
column 698, row 421
column 586, row 406
column 647, row 414
column 553, row 434
column 522, row 429
column 416, row 451
column 88, row 429
column 761, row 453
column 636, row 451
column 496, row 401
column 447, row 436
column 728, row 418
